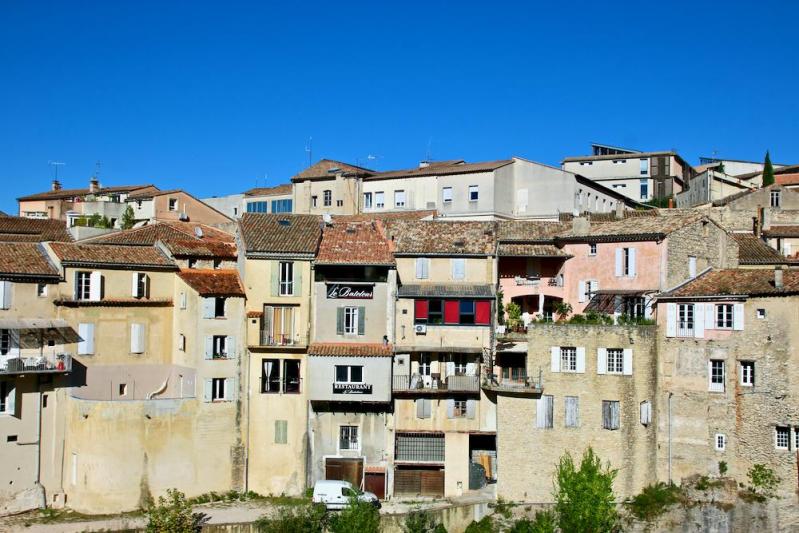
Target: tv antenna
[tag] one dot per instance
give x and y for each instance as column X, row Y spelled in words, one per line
column 55, row 165
column 309, row 150
column 429, row 154
column 97, row 166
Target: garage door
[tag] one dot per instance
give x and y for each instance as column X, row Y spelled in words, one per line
column 345, row 469
column 375, row 482
column 408, row 482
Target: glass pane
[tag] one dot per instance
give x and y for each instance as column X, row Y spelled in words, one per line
column 356, row 374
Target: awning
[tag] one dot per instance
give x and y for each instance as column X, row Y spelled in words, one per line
column 38, row 332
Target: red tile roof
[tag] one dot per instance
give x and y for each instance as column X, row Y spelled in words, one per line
column 442, row 237
column 787, row 179
column 112, row 256
column 753, row 251
column 25, row 259
column 354, row 243
column 277, row 190
column 213, row 282
column 738, row 282
column 65, row 194
column 351, row 349
column 326, row 169
column 443, row 168
column 281, row 233
column 782, row 231
column 22, row 229
column 179, row 237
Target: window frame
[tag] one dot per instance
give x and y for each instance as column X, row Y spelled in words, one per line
column 349, row 373
column 723, row 316
column 172, row 204
column 286, row 278
column 592, row 249
column 268, row 382
column 686, row 324
column 367, row 200
column 717, row 375
column 720, row 442
column 474, row 193
column 380, row 199
column 291, row 387
column 459, row 407
column 618, row 354
column 608, row 422
column 777, row 437
column 350, row 434
column 775, row 198
column 351, row 320
column 83, row 285
column 216, row 384
column 217, row 305
column 327, row 198
column 747, row 373
column 643, row 188
column 400, row 198
column 219, row 347
column 446, row 195
column 568, row 355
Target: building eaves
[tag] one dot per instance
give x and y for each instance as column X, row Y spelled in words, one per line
column 445, row 290
column 344, row 349
column 458, row 167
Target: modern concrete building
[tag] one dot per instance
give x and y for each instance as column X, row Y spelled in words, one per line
column 709, row 186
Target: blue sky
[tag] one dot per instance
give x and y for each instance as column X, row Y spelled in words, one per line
column 212, row 96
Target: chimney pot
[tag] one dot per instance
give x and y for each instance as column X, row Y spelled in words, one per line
column 94, row 185
column 619, row 209
column 56, row 185
column 778, row 282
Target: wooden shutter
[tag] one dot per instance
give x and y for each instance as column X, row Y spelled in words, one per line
column 230, row 346
column 209, row 347
column 628, row 362
column 208, row 307
column 137, row 338
column 482, row 312
column 5, row 297
column 134, row 285
column 738, row 317
column 297, row 279
column 646, row 412
column 340, row 321
column 671, row 320
column 422, row 408
column 614, row 414
column 86, row 332
column 601, row 360
column 361, row 320
column 555, row 358
column 458, row 268
column 182, row 299
column 631, row 263
column 619, row 262
column 581, row 291
column 699, row 324
column 471, row 408
column 452, row 312
column 95, row 286
column 710, row 317
column 544, row 411
column 580, row 360
column 420, row 309
column 572, row 411
column 231, row 389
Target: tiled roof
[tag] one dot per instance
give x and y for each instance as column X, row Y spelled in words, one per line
column 787, row 169
column 326, row 169
column 721, row 202
column 179, row 237
column 63, row 194
column 120, row 256
column 281, row 233
column 528, row 230
column 753, row 251
column 782, row 231
column 213, row 282
column 354, row 243
column 270, row 191
column 636, row 228
column 433, row 237
column 751, row 282
column 420, row 214
column 444, row 168
column 202, row 248
column 787, row 179
column 21, row 229
column 530, row 250
column 351, row 349
column 446, row 290
column 151, row 192
column 25, row 259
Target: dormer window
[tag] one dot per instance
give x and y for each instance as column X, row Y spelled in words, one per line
column 173, row 204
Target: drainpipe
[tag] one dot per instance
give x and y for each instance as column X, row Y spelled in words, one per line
column 670, row 395
column 247, row 421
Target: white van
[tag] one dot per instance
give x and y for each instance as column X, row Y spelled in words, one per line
column 336, row 494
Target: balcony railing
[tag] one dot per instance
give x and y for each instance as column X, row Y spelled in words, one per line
column 434, row 383
column 519, row 383
column 268, row 338
column 45, row 363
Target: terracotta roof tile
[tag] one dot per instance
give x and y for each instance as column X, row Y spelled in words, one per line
column 280, row 234
column 213, row 282
column 277, row 190
column 351, row 349
column 25, row 259
column 635, row 227
column 434, row 237
column 179, row 238
column 746, row 282
column 444, row 168
column 530, row 250
column 324, row 169
column 782, row 231
column 529, row 230
column 787, row 179
column 354, row 243
column 22, row 229
column 445, row 290
column 753, row 251
column 120, row 256
column 64, row 194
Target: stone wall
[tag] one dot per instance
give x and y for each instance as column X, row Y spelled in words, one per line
column 706, row 241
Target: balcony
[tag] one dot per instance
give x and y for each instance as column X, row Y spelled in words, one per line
column 282, row 340
column 36, row 364
column 514, row 381
column 435, row 384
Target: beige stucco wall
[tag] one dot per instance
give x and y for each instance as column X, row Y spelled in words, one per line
column 420, row 193
column 348, row 190
column 196, row 210
column 376, row 324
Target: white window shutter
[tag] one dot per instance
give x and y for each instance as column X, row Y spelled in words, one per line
column 95, row 286
column 671, row 320
column 601, row 361
column 555, row 356
column 420, row 408
column 209, row 347
column 11, row 400
column 632, row 263
column 134, row 285
column 581, row 291
column 699, row 324
column 183, row 300
column 137, row 338
column 5, row 297
column 541, row 412
column 14, row 342
column 86, row 332
column 710, row 319
column 450, row 408
column 580, row 360
column 230, row 346
column 646, row 412
column 208, row 307
column 471, row 408
column 458, row 265
column 619, row 268
column 628, row 362
column 593, row 287
column 738, row 317
column 207, row 390
column 231, row 389
column 471, row 369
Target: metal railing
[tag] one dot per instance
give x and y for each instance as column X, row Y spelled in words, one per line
column 520, row 382
column 455, row 383
column 44, row 363
column 268, row 338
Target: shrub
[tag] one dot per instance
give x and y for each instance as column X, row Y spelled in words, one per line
column 514, row 314
column 562, row 309
column 420, row 521
column 485, row 525
column 544, row 522
column 304, row 519
column 173, row 514
column 653, row 501
column 584, row 499
column 722, row 468
column 763, row 481
column 359, row 516
column 128, row 218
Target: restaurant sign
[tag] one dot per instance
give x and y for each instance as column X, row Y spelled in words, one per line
column 349, row 291
column 352, row 388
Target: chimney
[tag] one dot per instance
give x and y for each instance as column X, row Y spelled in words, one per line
column 424, row 164
column 778, row 277
column 55, row 186
column 580, row 226
column 671, row 202
column 94, row 185
column 756, row 225
column 619, row 210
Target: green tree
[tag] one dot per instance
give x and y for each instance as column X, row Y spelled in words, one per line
column 421, row 521
column 584, row 499
column 303, row 519
column 173, row 514
column 768, row 171
column 359, row 516
column 128, row 218
column 485, row 525
column 544, row 522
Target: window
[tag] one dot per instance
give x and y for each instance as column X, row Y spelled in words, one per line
column 218, row 389
column 181, row 342
column 339, row 203
column 592, row 249
column 123, row 389
column 281, row 206
column 41, row 290
column 572, row 404
column 685, row 320
column 350, row 320
column 782, row 437
column 173, row 204
column 422, row 267
column 720, row 441
column 458, row 408
column 83, row 286
column 436, row 312
column 291, row 376
column 691, row 266
column 716, row 371
column 645, row 412
column 8, row 396
column 424, row 364
column 219, row 347
column 399, row 198
column 466, row 312
column 545, row 407
column 367, row 200
column 219, row 307
column 270, row 376
column 748, row 373
column 140, row 285
column 380, row 201
column 286, row 280
column 458, row 267
column 454, row 312
column 86, row 332
column 5, row 341
column 724, row 316
column 761, row 313
column 256, row 207
column 348, row 438
column 327, row 198
column 281, row 432
column 625, row 262
column 775, row 198
column 192, row 263
column 568, row 359
column 314, row 200
column 349, row 374
column 474, row 193
column 446, row 195
column 644, row 188
column 610, row 414
column 615, row 361
column 644, row 167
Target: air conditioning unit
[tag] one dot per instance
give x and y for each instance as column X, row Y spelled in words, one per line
column 420, row 329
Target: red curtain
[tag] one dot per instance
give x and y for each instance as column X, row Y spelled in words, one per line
column 452, row 312
column 482, row 312
column 420, row 309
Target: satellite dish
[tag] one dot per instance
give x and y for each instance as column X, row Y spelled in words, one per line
column 198, row 232
column 327, row 218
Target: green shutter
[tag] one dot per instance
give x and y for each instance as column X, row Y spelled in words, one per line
column 297, row 278
column 340, row 321
column 275, row 278
column 361, row 320
column 281, row 431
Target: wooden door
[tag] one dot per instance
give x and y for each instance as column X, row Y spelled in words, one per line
column 375, row 482
column 345, row 469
